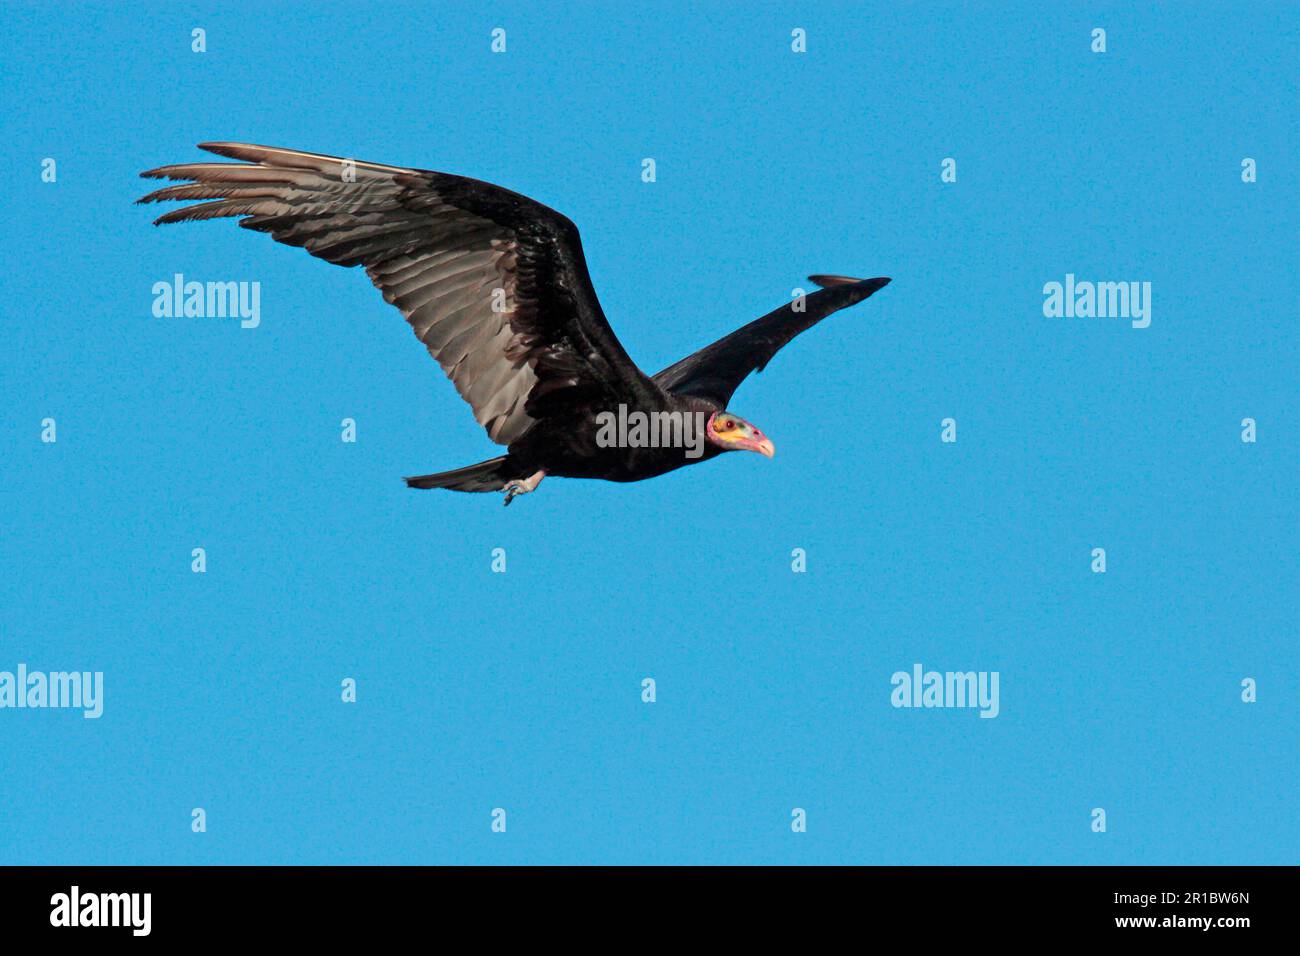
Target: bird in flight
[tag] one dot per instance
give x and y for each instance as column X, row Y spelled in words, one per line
column 496, row 287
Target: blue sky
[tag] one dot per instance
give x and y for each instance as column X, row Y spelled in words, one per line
column 522, row 690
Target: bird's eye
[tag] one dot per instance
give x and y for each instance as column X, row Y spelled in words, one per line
column 728, row 425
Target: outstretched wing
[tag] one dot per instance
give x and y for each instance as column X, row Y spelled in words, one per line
column 494, row 284
column 715, row 372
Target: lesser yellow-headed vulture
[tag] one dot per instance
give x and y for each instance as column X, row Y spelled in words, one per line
column 496, row 287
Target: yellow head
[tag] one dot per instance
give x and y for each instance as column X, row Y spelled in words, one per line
column 732, row 433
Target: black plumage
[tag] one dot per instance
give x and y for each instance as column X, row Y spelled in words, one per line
column 496, row 287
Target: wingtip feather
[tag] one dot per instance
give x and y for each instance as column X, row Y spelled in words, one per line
column 831, row 281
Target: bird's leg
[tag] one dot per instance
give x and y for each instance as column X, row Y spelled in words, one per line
column 521, row 486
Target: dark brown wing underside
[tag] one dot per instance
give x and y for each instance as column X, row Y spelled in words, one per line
column 494, row 284
column 716, row 371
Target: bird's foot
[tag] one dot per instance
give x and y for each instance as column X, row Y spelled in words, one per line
column 521, row 486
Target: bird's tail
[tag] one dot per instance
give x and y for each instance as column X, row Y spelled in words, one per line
column 490, row 475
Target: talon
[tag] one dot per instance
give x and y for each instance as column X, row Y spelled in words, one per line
column 521, row 486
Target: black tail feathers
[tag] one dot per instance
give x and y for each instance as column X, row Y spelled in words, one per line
column 490, row 475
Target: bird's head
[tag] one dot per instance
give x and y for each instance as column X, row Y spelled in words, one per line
column 732, row 433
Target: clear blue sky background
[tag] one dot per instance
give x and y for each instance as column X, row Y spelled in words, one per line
column 481, row 690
